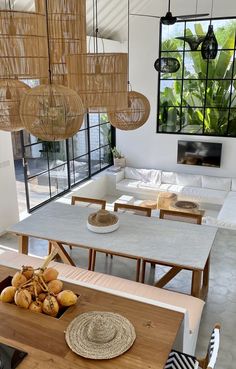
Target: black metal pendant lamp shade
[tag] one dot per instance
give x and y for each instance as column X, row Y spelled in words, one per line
column 210, row 45
column 193, row 41
column 167, row 65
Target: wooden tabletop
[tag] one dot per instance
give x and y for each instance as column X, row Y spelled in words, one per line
column 169, row 242
column 43, row 336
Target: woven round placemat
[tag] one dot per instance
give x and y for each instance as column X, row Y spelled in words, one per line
column 185, row 205
column 100, row 335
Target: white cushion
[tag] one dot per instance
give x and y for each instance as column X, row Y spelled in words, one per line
column 188, row 180
column 216, row 183
column 233, row 185
column 227, row 213
column 168, row 177
column 144, row 175
column 134, row 186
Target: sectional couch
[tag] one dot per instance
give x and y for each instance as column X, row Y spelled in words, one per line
column 203, row 189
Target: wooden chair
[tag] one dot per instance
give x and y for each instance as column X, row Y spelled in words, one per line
column 186, row 217
column 171, row 215
column 179, row 360
column 138, row 210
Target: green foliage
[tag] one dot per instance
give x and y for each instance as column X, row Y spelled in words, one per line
column 220, row 94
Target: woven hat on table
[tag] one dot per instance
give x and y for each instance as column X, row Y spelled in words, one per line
column 102, row 218
column 100, row 335
column 132, row 117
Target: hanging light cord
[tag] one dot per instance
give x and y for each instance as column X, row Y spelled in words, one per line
column 96, row 24
column 129, row 85
column 211, row 8
column 48, row 43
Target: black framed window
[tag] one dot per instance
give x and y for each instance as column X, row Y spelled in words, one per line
column 52, row 168
column 200, row 98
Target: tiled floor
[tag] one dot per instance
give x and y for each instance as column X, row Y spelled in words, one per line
column 221, row 303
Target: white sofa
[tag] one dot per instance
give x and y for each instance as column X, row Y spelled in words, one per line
column 203, row 189
column 190, row 306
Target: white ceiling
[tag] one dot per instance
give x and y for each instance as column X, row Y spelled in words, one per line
column 112, row 14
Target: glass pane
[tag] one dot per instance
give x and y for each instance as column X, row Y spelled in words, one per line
column 105, row 134
column 232, row 123
column 218, row 93
column 169, row 119
column 222, row 66
column 94, row 138
column 56, row 152
column 58, row 179
column 80, row 144
column 106, row 156
column 233, row 96
column 38, row 189
column 28, row 138
column 216, row 121
column 95, row 161
column 85, row 123
column 194, row 34
column 194, row 66
column 36, row 162
column 193, row 92
column 168, row 36
column 192, row 120
column 94, row 119
column 179, row 57
column 224, row 30
column 170, row 92
column 79, row 169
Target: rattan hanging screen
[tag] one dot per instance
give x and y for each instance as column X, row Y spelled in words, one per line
column 67, row 33
column 100, row 79
column 23, row 45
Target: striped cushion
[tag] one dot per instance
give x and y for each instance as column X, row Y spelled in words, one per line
column 179, row 360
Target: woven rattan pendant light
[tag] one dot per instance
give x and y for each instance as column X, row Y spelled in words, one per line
column 67, row 33
column 11, row 91
column 51, row 112
column 23, row 44
column 99, row 78
column 138, row 109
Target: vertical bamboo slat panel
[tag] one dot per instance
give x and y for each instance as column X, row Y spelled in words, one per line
column 67, row 33
column 100, row 80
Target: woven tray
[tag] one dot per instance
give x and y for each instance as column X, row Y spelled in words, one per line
column 186, row 205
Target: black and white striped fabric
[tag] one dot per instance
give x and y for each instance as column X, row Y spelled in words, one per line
column 179, row 360
column 213, row 347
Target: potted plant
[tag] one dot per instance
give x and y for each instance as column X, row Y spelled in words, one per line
column 118, row 158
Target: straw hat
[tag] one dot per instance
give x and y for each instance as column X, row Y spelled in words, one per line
column 102, row 218
column 100, row 335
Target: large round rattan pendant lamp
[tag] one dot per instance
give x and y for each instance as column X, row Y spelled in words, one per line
column 137, row 111
column 11, row 91
column 51, row 112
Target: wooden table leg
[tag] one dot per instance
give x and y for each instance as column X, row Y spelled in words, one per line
column 65, row 257
column 93, row 260
column 90, row 259
column 143, row 269
column 23, row 243
column 138, row 265
column 196, row 283
column 206, row 277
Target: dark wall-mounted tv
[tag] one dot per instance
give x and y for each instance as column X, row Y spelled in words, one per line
column 207, row 154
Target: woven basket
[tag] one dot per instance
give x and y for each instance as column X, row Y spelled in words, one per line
column 23, row 45
column 52, row 112
column 132, row 117
column 67, row 33
column 100, row 80
column 11, row 92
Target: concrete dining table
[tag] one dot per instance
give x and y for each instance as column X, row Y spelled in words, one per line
column 174, row 244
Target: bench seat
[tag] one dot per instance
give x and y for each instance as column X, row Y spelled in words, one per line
column 126, row 288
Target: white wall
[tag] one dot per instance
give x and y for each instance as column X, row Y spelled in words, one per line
column 8, row 198
column 144, row 147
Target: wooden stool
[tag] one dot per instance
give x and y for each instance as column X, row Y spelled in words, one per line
column 152, row 204
column 165, row 199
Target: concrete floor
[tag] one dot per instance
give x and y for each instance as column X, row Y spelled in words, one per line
column 220, row 305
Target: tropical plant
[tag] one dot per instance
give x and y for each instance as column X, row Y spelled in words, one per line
column 208, row 88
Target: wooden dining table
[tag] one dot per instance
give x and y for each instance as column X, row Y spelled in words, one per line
column 175, row 244
column 43, row 337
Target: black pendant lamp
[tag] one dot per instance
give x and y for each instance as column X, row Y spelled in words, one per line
column 193, row 41
column 167, row 65
column 210, row 45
